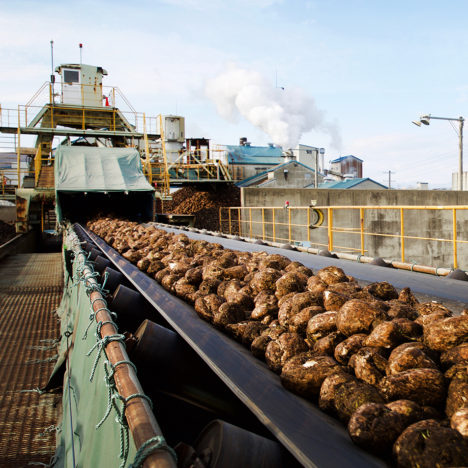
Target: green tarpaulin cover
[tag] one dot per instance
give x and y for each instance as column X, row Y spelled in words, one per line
column 86, row 438
column 91, row 169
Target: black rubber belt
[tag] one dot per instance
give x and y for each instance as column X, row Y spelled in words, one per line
column 314, row 438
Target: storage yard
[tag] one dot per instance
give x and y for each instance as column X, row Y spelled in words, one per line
column 203, row 204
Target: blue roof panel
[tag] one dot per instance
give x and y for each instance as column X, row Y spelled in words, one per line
column 346, row 184
column 342, row 158
column 270, row 155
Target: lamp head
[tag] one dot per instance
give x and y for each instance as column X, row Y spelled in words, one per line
column 425, row 119
column 417, row 122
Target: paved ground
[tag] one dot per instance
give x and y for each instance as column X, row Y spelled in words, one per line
column 30, row 290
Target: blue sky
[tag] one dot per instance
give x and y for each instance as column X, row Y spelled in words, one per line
column 371, row 66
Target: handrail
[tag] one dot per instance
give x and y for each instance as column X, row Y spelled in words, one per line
column 37, row 164
column 288, row 224
column 354, row 207
column 38, row 92
column 124, row 98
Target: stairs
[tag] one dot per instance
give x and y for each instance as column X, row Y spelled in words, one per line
column 46, row 177
column 50, row 219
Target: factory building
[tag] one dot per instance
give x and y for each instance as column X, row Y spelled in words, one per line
column 347, row 165
column 353, row 184
column 246, row 160
column 289, row 174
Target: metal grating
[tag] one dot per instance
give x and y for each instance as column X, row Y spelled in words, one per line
column 30, row 290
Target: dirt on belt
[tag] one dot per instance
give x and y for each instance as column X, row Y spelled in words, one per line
column 7, row 232
column 203, row 203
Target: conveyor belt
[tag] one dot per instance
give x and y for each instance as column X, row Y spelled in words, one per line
column 30, row 291
column 315, row 439
column 433, row 286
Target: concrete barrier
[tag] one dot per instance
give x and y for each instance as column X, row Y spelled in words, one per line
column 431, row 224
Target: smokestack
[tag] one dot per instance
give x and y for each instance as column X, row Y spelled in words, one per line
column 243, row 141
column 288, row 155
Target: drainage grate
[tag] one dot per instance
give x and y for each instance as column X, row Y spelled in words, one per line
column 30, row 291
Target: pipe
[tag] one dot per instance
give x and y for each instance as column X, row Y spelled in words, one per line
column 140, row 418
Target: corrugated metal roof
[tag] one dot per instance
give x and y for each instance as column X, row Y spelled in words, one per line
column 252, row 179
column 271, row 155
column 346, row 184
column 342, row 158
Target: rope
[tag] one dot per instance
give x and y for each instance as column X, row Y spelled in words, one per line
column 130, row 363
column 34, row 390
column 54, row 341
column 100, row 345
column 102, row 323
column 149, row 447
column 110, row 386
column 91, row 321
column 110, row 383
column 43, row 348
column 43, row 361
column 138, row 395
column 67, row 335
column 112, row 402
column 104, row 281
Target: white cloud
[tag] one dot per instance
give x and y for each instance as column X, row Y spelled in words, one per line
column 284, row 114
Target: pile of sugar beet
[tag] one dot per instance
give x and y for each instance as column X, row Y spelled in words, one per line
column 391, row 368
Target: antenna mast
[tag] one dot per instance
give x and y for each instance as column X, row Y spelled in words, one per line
column 52, row 76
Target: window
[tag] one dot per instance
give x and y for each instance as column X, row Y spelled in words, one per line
column 71, row 76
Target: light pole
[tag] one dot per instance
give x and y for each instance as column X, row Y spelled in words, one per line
column 425, row 119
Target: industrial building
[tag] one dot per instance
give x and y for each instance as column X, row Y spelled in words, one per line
column 352, row 184
column 346, row 166
column 288, row 174
column 246, row 160
column 129, row 342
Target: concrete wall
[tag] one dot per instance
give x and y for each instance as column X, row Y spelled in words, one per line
column 434, row 224
column 367, row 185
column 296, row 176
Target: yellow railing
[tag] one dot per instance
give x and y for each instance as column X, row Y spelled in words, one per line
column 112, row 99
column 81, row 117
column 9, row 179
column 7, row 187
column 196, row 172
column 37, row 164
column 355, row 226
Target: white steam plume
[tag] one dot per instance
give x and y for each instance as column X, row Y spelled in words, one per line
column 283, row 114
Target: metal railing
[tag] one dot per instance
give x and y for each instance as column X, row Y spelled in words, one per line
column 208, row 170
column 355, row 229
column 114, row 103
column 7, row 187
